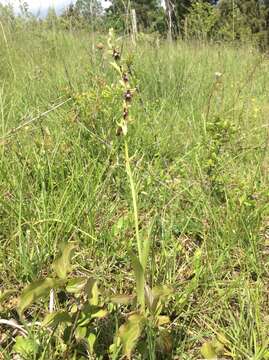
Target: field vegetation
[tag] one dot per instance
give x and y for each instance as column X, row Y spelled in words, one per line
column 133, row 197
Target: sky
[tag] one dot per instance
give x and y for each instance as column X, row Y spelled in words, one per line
column 41, row 6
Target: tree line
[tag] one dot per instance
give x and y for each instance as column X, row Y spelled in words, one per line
column 215, row 20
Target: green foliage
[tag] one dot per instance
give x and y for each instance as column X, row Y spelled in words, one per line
column 63, row 176
column 35, row 291
column 201, row 21
column 212, row 350
column 62, row 263
column 25, row 347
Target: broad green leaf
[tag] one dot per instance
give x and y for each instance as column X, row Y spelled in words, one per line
column 91, row 341
column 162, row 320
column 76, row 286
column 80, row 332
column 100, row 314
column 92, row 291
column 62, row 263
column 122, row 299
column 90, row 312
column 56, row 318
column 208, row 351
column 218, row 346
column 140, row 279
column 130, row 332
column 25, row 347
column 36, row 290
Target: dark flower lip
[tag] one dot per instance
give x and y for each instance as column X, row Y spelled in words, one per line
column 128, row 96
column 116, row 54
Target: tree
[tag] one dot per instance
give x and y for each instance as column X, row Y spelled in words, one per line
column 89, row 8
column 149, row 13
column 245, row 19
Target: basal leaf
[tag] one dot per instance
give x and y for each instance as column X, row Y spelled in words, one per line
column 62, row 263
column 140, row 279
column 100, row 314
column 76, row 286
column 56, row 318
column 25, row 347
column 162, row 320
column 36, row 290
column 208, row 351
column 92, row 291
column 91, row 341
column 80, row 332
column 130, row 332
column 122, row 299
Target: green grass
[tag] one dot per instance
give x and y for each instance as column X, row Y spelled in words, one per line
column 63, row 177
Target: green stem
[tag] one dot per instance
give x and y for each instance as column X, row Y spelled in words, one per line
column 134, row 198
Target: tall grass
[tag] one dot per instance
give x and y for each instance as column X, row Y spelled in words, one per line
column 59, row 181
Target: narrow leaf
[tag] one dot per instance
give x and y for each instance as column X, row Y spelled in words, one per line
column 140, row 280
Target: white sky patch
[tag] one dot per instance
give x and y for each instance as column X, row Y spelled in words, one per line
column 42, row 5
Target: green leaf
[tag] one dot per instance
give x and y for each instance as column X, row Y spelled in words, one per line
column 56, row 318
column 80, row 332
column 140, row 279
column 76, row 286
column 218, row 346
column 92, row 291
column 36, row 290
column 122, row 299
column 146, row 247
column 154, row 296
column 211, row 349
column 208, row 351
column 100, row 314
column 162, row 291
column 91, row 341
column 62, row 263
column 162, row 320
column 25, row 347
column 130, row 332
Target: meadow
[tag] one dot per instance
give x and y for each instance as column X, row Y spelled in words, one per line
column 198, row 159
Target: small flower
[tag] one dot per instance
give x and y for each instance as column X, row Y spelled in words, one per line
column 218, row 75
column 116, row 54
column 125, row 113
column 128, row 96
column 125, row 78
